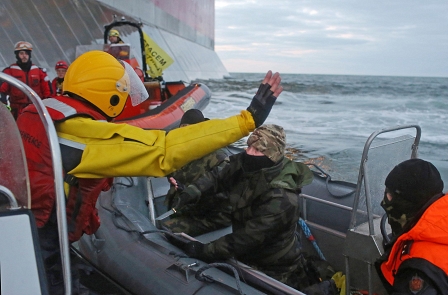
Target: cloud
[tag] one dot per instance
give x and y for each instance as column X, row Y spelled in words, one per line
column 400, row 37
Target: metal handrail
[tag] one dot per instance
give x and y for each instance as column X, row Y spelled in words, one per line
column 362, row 178
column 58, row 172
column 11, row 198
column 363, row 170
column 151, row 207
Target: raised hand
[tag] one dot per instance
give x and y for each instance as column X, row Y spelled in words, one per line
column 274, row 81
column 264, row 99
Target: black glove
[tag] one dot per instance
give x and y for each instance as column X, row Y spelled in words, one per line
column 180, row 187
column 194, row 249
column 187, row 196
column 173, row 192
column 261, row 104
column 175, row 184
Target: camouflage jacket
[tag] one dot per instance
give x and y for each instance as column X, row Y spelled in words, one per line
column 191, row 172
column 265, row 211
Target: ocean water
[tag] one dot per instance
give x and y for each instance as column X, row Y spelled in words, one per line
column 328, row 118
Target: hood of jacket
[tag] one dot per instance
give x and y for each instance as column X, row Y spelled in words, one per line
column 293, row 176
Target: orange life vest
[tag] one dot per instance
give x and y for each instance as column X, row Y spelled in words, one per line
column 427, row 240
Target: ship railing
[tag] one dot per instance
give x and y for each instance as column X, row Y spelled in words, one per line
column 57, row 172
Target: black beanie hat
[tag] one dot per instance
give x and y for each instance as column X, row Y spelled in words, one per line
column 192, row 116
column 415, row 180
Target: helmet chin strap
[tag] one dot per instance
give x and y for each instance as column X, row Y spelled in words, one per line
column 75, row 96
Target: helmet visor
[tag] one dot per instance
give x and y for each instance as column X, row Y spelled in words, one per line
column 137, row 90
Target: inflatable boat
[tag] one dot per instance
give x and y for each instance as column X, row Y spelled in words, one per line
column 130, row 254
column 344, row 219
column 166, row 105
column 168, row 100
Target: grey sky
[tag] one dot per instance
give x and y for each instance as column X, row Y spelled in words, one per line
column 355, row 37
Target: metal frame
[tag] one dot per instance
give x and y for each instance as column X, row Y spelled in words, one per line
column 334, row 232
column 151, row 207
column 11, row 198
column 58, row 172
column 138, row 26
column 363, row 172
column 369, row 236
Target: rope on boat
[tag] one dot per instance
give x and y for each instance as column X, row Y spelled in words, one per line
column 201, row 277
column 327, row 183
column 306, row 230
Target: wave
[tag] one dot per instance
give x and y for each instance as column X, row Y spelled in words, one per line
column 328, row 118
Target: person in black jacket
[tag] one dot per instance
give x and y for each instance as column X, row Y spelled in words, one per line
column 415, row 262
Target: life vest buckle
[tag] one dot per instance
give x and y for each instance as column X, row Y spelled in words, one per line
column 71, row 180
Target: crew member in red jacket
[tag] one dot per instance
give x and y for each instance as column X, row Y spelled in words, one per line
column 415, row 262
column 56, row 85
column 27, row 72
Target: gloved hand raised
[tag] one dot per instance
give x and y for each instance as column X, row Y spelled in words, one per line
column 265, row 97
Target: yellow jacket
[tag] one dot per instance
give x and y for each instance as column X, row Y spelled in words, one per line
column 112, row 149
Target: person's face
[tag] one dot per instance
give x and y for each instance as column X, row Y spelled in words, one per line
column 113, row 39
column 388, row 196
column 24, row 56
column 61, row 73
column 251, row 151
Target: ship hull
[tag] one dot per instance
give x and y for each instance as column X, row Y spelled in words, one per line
column 183, row 29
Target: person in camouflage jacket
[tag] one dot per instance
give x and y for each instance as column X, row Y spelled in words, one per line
column 211, row 212
column 262, row 187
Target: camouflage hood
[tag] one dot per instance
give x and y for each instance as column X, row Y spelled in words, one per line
column 294, row 175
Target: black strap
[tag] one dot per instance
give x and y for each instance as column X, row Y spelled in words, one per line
column 71, row 180
column 327, row 181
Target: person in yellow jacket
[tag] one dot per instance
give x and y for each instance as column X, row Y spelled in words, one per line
column 96, row 87
column 114, row 37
